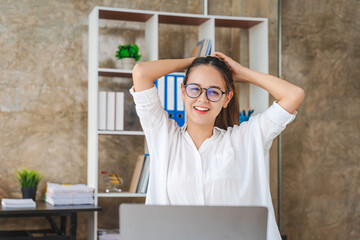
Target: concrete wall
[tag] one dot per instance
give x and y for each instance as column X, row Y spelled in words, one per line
column 43, row 100
column 321, row 170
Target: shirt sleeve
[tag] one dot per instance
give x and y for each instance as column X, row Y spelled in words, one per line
column 272, row 122
column 149, row 109
column 264, row 127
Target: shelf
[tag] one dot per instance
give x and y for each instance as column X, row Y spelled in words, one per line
column 182, row 19
column 112, row 72
column 150, row 22
column 105, row 132
column 123, row 194
column 124, row 14
column 176, row 18
column 235, row 23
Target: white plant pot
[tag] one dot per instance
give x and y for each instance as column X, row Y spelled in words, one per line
column 126, row 63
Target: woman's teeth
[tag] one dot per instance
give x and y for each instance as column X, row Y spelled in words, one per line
column 202, row 109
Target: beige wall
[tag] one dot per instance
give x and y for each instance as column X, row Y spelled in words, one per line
column 43, row 101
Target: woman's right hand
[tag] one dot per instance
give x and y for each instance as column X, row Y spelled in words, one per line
column 146, row 73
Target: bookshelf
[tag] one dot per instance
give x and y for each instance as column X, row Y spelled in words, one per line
column 205, row 24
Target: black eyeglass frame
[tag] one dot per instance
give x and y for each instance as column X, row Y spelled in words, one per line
column 206, row 92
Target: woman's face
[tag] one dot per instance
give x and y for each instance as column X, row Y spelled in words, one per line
column 200, row 110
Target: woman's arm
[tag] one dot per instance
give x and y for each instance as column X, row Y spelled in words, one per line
column 288, row 95
column 146, row 73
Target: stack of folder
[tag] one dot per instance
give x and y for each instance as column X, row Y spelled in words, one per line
column 66, row 194
column 169, row 90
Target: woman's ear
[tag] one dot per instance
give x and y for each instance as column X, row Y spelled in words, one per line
column 183, row 92
column 228, row 97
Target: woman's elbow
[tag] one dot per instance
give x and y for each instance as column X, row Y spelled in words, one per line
column 138, row 70
column 297, row 97
column 300, row 95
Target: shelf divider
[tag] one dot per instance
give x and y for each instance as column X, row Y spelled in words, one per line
column 113, row 72
column 106, row 132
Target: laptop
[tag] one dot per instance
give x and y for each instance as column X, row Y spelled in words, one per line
column 159, row 222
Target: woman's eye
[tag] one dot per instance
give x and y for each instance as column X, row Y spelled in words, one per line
column 195, row 89
column 214, row 92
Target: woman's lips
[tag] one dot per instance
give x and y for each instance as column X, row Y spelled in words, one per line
column 201, row 110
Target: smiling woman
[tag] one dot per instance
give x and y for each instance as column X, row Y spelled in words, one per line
column 213, row 72
column 212, row 160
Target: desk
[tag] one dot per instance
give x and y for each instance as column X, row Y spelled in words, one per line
column 48, row 211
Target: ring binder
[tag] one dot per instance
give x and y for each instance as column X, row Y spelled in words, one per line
column 169, row 90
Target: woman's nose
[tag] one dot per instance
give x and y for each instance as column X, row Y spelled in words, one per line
column 203, row 96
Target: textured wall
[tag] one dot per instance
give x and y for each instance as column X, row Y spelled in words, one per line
column 43, row 81
column 43, row 100
column 321, row 168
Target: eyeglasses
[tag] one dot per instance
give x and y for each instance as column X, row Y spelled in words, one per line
column 213, row 94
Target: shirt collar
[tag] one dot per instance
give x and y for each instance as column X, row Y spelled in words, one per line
column 216, row 130
column 216, row 133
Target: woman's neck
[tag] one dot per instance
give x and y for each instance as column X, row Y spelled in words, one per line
column 199, row 133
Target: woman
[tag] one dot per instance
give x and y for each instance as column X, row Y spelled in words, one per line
column 211, row 160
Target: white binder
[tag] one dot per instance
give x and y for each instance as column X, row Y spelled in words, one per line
column 102, row 111
column 110, row 116
column 119, row 111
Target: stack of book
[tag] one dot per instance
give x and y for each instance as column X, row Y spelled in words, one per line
column 66, row 194
column 18, row 203
column 202, row 49
column 140, row 179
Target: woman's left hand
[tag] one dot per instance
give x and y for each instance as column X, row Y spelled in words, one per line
column 236, row 67
column 289, row 96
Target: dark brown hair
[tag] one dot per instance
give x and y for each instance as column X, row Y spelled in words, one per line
column 229, row 116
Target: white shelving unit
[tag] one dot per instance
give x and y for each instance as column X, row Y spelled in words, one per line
column 206, row 24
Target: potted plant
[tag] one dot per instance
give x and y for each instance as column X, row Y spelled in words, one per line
column 29, row 180
column 128, row 54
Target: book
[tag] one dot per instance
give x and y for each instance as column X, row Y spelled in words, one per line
column 202, row 48
column 136, row 175
column 18, row 203
column 145, row 181
column 142, row 176
column 196, row 51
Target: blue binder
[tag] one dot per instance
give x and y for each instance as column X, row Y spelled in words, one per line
column 169, row 89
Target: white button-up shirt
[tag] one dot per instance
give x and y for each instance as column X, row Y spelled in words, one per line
column 228, row 169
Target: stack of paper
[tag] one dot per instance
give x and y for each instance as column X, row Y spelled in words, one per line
column 18, row 203
column 109, row 234
column 60, row 194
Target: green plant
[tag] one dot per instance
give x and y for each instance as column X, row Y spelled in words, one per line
column 128, row 51
column 29, row 178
